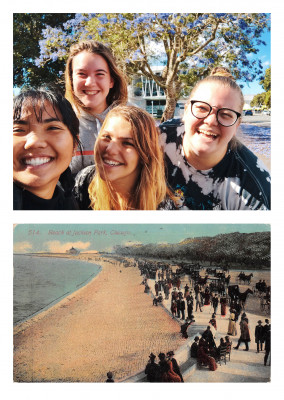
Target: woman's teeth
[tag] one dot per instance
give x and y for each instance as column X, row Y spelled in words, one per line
column 36, row 161
column 110, row 162
column 208, row 133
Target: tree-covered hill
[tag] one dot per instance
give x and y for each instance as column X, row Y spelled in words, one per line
column 248, row 250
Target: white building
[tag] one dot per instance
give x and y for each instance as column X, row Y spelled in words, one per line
column 145, row 93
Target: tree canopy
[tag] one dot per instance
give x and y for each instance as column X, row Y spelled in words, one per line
column 27, row 32
column 264, row 99
column 187, row 45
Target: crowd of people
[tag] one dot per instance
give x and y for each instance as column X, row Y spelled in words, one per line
column 93, row 150
column 183, row 300
column 166, row 370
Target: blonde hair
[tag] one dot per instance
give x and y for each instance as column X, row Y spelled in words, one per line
column 117, row 94
column 151, row 188
column 223, row 76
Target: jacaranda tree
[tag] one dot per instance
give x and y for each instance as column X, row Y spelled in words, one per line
column 188, row 45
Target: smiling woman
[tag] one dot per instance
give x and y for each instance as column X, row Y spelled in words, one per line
column 94, row 85
column 129, row 169
column 45, row 134
column 206, row 165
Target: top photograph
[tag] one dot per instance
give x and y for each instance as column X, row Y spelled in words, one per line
column 135, row 111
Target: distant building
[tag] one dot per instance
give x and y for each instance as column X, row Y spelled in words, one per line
column 145, row 93
column 248, row 98
column 73, row 251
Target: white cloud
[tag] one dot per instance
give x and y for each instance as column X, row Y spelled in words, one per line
column 56, row 246
column 22, row 247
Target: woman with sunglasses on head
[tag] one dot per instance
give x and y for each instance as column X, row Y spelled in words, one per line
column 94, row 85
column 206, row 164
column 129, row 170
column 45, row 136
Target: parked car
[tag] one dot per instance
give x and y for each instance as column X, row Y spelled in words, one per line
column 266, row 112
column 248, row 112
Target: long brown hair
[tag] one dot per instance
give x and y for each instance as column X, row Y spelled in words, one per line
column 117, row 94
column 151, row 188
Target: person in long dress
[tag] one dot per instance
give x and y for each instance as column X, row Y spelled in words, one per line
column 232, row 324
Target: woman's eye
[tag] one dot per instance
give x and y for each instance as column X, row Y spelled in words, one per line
column 202, row 109
column 18, row 130
column 126, row 143
column 105, row 137
column 226, row 114
column 54, row 128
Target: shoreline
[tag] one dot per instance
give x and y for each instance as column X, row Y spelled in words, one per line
column 83, row 336
column 55, row 302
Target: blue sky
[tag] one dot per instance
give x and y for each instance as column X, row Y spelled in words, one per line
column 265, row 55
column 102, row 237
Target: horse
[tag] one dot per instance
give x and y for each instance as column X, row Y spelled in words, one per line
column 234, row 292
column 243, row 297
column 245, row 278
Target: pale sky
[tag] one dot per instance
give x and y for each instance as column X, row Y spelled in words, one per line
column 102, row 237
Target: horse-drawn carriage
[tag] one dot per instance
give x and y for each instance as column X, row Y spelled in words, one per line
column 245, row 278
column 235, row 294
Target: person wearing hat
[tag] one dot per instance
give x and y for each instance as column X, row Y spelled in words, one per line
column 174, row 372
column 110, row 377
column 185, row 325
column 194, row 347
column 215, row 302
column 152, row 369
column 245, row 333
column 258, row 334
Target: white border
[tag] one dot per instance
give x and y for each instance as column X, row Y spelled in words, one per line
column 275, row 217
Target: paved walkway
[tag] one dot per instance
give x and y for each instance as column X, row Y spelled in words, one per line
column 243, row 367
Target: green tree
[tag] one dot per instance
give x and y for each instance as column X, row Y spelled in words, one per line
column 258, row 100
column 27, row 32
column 266, row 81
column 264, row 99
column 188, row 45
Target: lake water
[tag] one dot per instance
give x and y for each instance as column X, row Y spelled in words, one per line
column 40, row 282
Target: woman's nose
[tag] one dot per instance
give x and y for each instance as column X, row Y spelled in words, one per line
column 113, row 147
column 89, row 81
column 34, row 140
column 212, row 118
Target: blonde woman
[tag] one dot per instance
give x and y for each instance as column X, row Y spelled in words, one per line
column 205, row 163
column 129, row 168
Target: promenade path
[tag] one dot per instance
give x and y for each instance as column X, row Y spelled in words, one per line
column 243, row 367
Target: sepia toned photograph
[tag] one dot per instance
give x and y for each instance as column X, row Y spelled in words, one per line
column 138, row 303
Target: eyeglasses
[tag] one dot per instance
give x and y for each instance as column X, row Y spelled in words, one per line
column 225, row 116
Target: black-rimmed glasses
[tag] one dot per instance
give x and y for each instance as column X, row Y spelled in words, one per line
column 225, row 116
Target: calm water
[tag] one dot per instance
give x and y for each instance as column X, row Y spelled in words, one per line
column 40, row 282
column 256, row 138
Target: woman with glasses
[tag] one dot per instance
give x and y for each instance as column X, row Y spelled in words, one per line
column 206, row 164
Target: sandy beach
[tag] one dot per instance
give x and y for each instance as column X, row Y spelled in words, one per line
column 109, row 324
